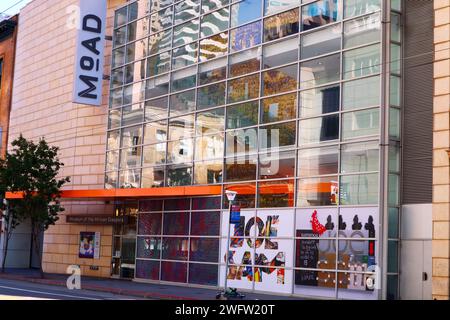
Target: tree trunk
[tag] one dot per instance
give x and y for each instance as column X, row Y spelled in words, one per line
column 5, row 251
column 37, row 245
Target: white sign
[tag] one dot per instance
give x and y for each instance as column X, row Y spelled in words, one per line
column 97, row 246
column 90, row 52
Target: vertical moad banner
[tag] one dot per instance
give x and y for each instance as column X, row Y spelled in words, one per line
column 89, row 58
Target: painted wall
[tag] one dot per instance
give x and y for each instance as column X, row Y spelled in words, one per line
column 441, row 146
column 42, row 107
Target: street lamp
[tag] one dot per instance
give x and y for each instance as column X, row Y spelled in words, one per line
column 231, row 195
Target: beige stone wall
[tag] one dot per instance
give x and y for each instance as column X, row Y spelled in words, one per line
column 441, row 145
column 42, row 107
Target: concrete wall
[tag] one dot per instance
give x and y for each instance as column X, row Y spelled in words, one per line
column 441, row 146
column 42, row 107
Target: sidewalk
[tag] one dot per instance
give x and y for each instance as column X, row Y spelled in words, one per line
column 130, row 288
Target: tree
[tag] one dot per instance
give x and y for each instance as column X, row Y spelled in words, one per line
column 32, row 169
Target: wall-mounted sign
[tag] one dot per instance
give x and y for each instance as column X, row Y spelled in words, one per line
column 89, row 245
column 89, row 58
column 98, row 219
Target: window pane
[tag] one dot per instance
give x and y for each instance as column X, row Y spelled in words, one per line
column 186, row 10
column 393, row 190
column 210, row 122
column 209, row 5
column 179, row 176
column 214, row 46
column 175, row 248
column 241, row 141
column 280, row 53
column 180, row 151
column 207, row 172
column 211, row 96
column 112, row 160
column 362, row 62
column 271, row 7
column 246, row 36
column 393, row 223
column 243, row 88
column 361, row 93
column 156, row 109
column 240, row 169
column 147, row 269
column 394, row 123
column 320, row 71
column 205, row 203
column 120, row 17
column 363, row 30
column 319, row 101
column 393, row 256
column 113, row 140
column 204, row 250
column 118, row 57
column 395, row 58
column 184, row 79
column 181, row 127
column 215, row 22
column 395, row 93
column 395, row 27
column 155, row 132
column 185, row 33
column 281, row 25
column 277, row 135
column 160, row 41
column 280, row 80
column 212, row 71
column 161, row 20
column 154, row 154
column 203, row 274
column 181, row 103
column 205, row 223
column 157, row 86
column 245, row 11
column 242, row 115
column 130, row 178
column 394, row 159
column 321, row 42
column 131, row 136
column 272, row 194
column 359, row 157
column 150, row 223
column 174, row 271
column 320, row 13
column 359, row 189
column 319, row 129
column 317, row 191
column 120, row 36
column 361, row 123
column 318, row 161
column 245, row 197
column 134, row 93
column 358, row 7
column 114, row 118
column 184, row 56
column 277, row 165
column 133, row 114
column 245, row 62
column 209, row 147
column 148, row 247
column 279, row 108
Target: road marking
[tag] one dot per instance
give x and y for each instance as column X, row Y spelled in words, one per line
column 48, row 293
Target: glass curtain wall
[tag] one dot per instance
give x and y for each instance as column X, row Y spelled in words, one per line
column 279, row 101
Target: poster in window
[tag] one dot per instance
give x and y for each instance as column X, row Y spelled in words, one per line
column 89, row 245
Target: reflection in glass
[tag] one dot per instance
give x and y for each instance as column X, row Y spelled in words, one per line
column 280, row 80
column 160, row 41
column 179, row 175
column 209, row 147
column 281, row 25
column 181, row 127
column 245, row 197
column 161, row 20
column 277, row 135
column 155, row 132
column 175, row 248
column 133, row 114
column 358, row 7
column 361, row 123
column 279, row 108
column 319, row 129
column 318, row 161
column 214, row 47
column 280, row 53
column 183, row 102
column 208, row 172
column 210, row 122
column 320, row 42
column 244, row 88
column 241, row 141
column 209, row 5
column 130, row 178
column 359, row 157
column 362, row 30
column 361, row 93
column 156, row 109
column 320, row 71
column 245, row 11
column 211, row 96
column 157, row 86
column 185, row 33
column 240, row 169
column 153, row 177
column 361, row 62
column 320, row 13
column 183, row 79
column 244, row 62
column 154, row 154
column 317, row 191
column 319, row 101
column 359, row 189
column 242, row 115
column 245, row 37
column 212, row 71
column 277, row 165
column 184, row 56
column 273, row 194
column 186, row 10
column 215, row 22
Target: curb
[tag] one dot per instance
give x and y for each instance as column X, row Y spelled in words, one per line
column 118, row 291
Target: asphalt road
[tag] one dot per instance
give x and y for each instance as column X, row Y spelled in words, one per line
column 21, row 290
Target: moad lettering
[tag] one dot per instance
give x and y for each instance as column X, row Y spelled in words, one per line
column 90, row 47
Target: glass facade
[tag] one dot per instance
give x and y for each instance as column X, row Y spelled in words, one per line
column 279, row 101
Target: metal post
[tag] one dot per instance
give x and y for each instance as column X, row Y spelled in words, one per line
column 228, row 247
